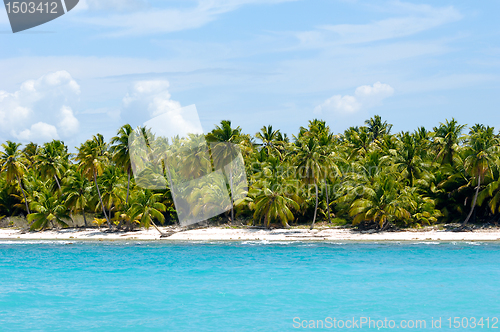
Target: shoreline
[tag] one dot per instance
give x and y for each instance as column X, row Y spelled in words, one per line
column 244, row 234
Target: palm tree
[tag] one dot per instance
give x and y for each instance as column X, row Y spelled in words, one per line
column 146, row 206
column 93, row 157
column 407, row 162
column 358, row 141
column 272, row 140
column 381, row 203
column 8, row 201
column 30, row 154
column 491, row 193
column 52, row 160
column 151, row 158
column 447, row 138
column 226, row 157
column 329, row 159
column 121, row 152
column 192, row 159
column 112, row 188
column 308, row 161
column 422, row 141
column 317, row 129
column 11, row 164
column 225, row 133
column 377, row 128
column 77, row 192
column 48, row 209
column 273, row 204
column 422, row 208
column 482, row 153
column 274, row 194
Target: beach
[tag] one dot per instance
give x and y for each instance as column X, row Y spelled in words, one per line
column 246, row 234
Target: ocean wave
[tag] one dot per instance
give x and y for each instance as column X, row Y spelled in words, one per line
column 21, row 242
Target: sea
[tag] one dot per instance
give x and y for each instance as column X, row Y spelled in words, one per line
column 249, row 286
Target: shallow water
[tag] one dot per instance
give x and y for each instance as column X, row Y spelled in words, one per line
column 135, row 286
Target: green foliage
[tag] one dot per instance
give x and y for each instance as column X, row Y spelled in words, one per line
column 147, row 207
column 365, row 177
column 48, row 209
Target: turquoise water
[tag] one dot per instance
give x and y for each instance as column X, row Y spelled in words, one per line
column 250, row 286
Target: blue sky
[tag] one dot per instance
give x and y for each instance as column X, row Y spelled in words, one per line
column 254, row 62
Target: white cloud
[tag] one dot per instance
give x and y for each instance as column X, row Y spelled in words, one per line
column 118, row 5
column 365, row 96
column 338, row 103
column 69, row 124
column 372, row 95
column 151, row 95
column 27, row 113
column 417, row 18
column 39, row 132
column 166, row 117
column 176, row 122
column 153, row 20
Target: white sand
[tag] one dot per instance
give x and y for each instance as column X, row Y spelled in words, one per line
column 229, row 234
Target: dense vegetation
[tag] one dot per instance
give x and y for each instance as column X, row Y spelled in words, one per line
column 366, row 177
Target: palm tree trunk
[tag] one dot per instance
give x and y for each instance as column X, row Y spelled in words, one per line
column 170, row 185
column 57, row 181
column 72, row 220
column 266, row 216
column 84, row 218
column 24, row 194
column 159, row 231
column 100, row 200
column 128, row 185
column 473, row 201
column 316, row 208
column 231, row 197
column 327, row 202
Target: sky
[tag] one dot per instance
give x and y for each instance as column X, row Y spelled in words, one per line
column 254, row 62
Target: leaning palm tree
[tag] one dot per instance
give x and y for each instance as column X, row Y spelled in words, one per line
column 121, row 153
column 482, row 153
column 93, row 157
column 12, row 166
column 146, row 207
